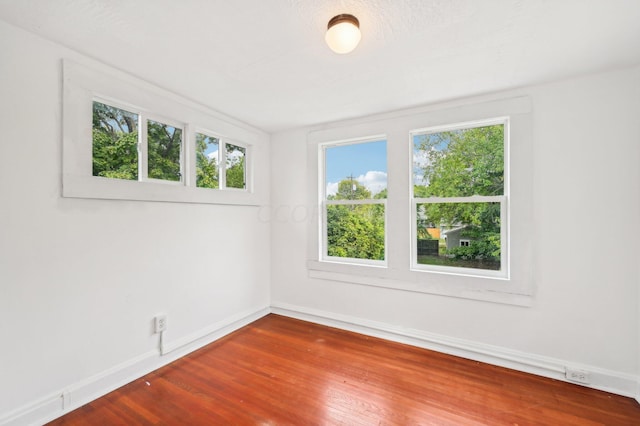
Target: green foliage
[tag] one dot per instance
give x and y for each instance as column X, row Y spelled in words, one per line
column 164, row 143
column 463, row 163
column 115, row 143
column 235, row 167
column 349, row 189
column 235, row 175
column 355, row 231
column 206, row 168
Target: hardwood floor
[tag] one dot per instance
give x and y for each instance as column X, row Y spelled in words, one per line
column 281, row 371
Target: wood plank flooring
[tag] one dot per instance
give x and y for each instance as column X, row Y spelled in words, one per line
column 282, row 371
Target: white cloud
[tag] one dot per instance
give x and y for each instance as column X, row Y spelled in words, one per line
column 374, row 181
column 213, row 154
column 234, row 157
column 332, row 188
column 420, row 158
column 420, row 162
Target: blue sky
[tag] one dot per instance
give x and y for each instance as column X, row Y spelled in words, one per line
column 366, row 162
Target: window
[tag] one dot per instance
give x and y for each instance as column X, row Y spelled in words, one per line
column 459, row 198
column 150, row 145
column 214, row 172
column 121, row 152
column 207, row 161
column 235, row 166
column 354, row 201
column 164, row 148
column 115, row 142
column 460, row 212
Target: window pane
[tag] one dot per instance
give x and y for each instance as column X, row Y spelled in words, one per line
column 459, row 163
column 115, row 142
column 356, row 171
column 207, row 161
column 356, row 231
column 236, row 173
column 459, row 234
column 164, row 143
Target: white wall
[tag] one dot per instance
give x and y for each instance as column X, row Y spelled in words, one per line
column 587, row 223
column 80, row 279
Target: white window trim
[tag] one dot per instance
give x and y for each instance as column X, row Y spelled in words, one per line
column 323, row 202
column 502, row 199
column 82, row 84
column 144, row 148
column 518, row 288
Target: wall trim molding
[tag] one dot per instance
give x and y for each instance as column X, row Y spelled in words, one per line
column 80, row 393
column 601, row 379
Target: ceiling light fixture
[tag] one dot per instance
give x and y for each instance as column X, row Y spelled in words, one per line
column 343, row 33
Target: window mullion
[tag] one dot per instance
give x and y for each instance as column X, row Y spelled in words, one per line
column 143, row 149
column 222, row 169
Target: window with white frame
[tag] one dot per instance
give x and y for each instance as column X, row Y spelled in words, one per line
column 354, row 201
column 128, row 140
column 220, row 164
column 459, row 206
column 235, row 171
column 461, row 190
column 207, row 161
column 121, row 151
column 115, row 142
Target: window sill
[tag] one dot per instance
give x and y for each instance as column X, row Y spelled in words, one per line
column 117, row 189
column 444, row 284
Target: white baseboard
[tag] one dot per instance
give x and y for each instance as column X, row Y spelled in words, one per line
column 78, row 394
column 601, row 379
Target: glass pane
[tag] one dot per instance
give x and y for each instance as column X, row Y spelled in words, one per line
column 236, row 175
column 164, row 143
column 459, row 234
column 207, row 161
column 115, row 142
column 356, row 171
column 459, row 163
column 356, row 231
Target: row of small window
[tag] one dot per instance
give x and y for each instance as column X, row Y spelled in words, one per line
column 459, row 214
column 130, row 146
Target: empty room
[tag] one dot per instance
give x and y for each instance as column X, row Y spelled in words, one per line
column 294, row 212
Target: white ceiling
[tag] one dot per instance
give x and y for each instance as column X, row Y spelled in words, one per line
column 265, row 61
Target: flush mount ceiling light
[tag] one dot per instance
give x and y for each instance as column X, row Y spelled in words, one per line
column 343, row 33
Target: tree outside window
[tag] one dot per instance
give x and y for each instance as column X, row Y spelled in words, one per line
column 459, row 191
column 355, row 205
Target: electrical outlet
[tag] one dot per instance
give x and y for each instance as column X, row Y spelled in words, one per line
column 160, row 323
column 577, row 376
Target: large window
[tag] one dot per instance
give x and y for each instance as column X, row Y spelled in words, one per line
column 459, row 212
column 458, row 220
column 354, row 201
